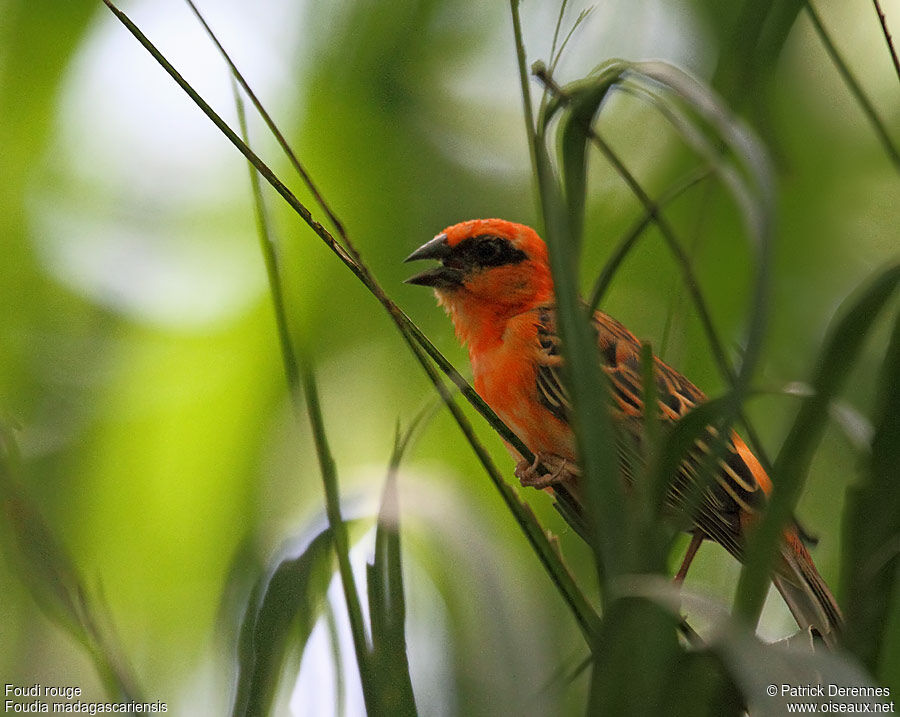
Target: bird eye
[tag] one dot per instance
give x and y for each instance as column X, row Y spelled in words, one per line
column 487, row 250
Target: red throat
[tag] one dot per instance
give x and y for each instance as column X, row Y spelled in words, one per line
column 481, row 308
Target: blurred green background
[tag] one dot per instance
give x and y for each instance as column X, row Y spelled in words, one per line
column 138, row 355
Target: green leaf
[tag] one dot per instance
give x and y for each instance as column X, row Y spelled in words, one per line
column 585, row 100
column 636, row 650
column 756, row 667
column 280, row 616
column 871, row 560
column 591, row 418
column 340, row 537
column 841, row 348
column 387, row 604
column 699, row 685
column 53, row 578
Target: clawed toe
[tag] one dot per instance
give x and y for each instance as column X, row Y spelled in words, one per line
column 561, row 470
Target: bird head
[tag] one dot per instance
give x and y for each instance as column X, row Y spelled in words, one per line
column 486, row 264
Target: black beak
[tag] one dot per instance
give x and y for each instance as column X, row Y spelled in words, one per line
column 440, row 277
column 436, row 248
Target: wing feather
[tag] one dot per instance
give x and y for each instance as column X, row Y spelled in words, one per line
column 735, row 489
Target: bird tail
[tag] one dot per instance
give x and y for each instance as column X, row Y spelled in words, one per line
column 806, row 593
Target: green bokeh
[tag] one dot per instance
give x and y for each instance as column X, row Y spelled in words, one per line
column 163, row 454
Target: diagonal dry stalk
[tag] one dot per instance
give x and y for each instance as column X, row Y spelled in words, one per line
column 887, row 37
column 421, row 347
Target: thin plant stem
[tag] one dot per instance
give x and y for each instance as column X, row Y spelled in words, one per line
column 270, row 123
column 653, row 214
column 530, row 131
column 853, row 85
column 340, row 698
column 627, row 243
column 554, row 62
column 545, row 95
column 887, row 37
column 273, row 273
column 585, row 615
column 313, row 409
column 340, row 537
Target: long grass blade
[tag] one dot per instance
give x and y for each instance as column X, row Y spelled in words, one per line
column 387, row 603
column 418, row 343
column 527, row 110
column 280, row 615
column 54, row 580
column 870, row 569
column 842, row 345
column 341, row 541
column 853, row 85
column 269, row 251
column 326, row 462
column 270, row 123
column 589, row 392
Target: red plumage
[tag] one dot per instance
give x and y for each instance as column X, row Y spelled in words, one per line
column 494, row 281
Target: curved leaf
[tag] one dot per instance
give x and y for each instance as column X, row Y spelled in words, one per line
column 871, row 560
column 280, row 615
column 842, row 346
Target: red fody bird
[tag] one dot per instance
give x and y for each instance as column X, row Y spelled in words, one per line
column 494, row 281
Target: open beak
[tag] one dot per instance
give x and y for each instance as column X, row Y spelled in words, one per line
column 440, row 277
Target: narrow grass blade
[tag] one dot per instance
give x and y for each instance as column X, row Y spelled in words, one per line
column 871, row 561
column 341, row 540
column 527, row 109
column 855, row 88
column 562, row 211
column 387, row 603
column 269, row 251
column 587, row 386
column 556, row 57
column 340, row 683
column 420, row 346
column 53, row 579
column 651, row 431
column 837, row 357
column 582, row 107
column 280, row 616
column 629, row 241
column 640, row 648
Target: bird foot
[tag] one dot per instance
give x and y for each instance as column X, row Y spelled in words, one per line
column 562, row 470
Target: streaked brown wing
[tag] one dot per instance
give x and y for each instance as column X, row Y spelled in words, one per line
column 735, row 489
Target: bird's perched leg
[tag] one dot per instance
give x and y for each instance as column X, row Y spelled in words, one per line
column 562, row 470
column 696, row 539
